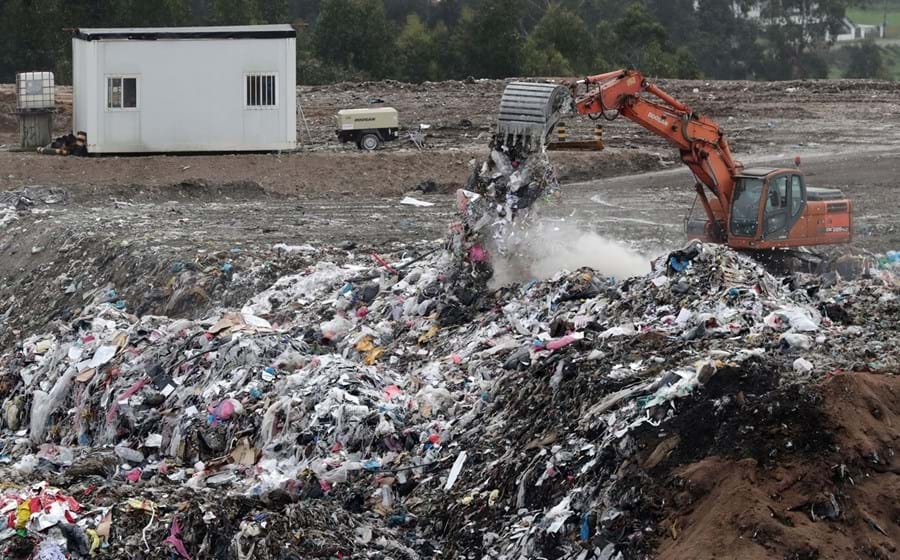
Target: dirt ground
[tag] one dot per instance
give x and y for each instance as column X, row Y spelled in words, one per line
column 761, row 120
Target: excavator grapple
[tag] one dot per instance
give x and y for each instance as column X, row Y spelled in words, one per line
column 529, row 111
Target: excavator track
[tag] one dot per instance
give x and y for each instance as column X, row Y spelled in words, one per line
column 529, row 111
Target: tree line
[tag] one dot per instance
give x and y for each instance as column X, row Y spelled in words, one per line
column 417, row 40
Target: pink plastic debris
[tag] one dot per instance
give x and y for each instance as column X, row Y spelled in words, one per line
column 380, row 260
column 134, row 475
column 558, row 343
column 114, row 409
column 478, row 254
column 174, row 539
column 72, row 503
column 225, row 410
column 392, row 391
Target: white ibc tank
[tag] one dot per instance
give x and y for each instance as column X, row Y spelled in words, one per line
column 35, row 90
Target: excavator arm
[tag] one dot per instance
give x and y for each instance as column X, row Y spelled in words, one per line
column 700, row 141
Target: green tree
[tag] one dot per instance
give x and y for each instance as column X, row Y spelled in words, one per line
column 559, row 40
column 679, row 17
column 447, row 12
column 416, row 50
column 353, row 39
column 235, row 12
column 312, row 70
column 274, row 11
column 636, row 39
column 492, row 42
column 725, row 44
column 595, row 11
column 449, row 59
column 866, row 61
column 140, row 13
column 31, row 38
column 399, row 10
column 305, row 10
column 637, row 27
column 796, row 33
column 355, row 34
column 547, row 62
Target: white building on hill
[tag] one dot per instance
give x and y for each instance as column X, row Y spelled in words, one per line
column 849, row 31
column 185, row 89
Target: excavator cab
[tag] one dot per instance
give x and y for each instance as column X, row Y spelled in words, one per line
column 773, row 208
column 766, row 207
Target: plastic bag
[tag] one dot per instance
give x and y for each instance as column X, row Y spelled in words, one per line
column 45, row 404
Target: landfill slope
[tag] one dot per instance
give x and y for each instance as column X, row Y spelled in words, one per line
column 577, row 417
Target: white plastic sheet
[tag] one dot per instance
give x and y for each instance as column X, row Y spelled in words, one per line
column 455, row 470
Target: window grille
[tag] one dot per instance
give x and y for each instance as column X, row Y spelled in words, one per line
column 260, row 91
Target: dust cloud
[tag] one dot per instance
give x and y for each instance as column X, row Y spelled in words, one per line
column 549, row 248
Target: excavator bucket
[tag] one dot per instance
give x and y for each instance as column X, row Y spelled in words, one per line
column 529, row 111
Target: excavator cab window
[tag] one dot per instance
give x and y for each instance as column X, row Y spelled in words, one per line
column 745, row 209
column 784, row 204
column 777, row 206
column 797, row 196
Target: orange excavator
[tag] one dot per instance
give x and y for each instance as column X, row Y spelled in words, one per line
column 747, row 209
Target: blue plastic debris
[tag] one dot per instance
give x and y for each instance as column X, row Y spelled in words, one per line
column 397, row 520
column 677, row 264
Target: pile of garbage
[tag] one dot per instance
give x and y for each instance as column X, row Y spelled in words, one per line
column 343, row 411
column 499, row 211
column 143, row 272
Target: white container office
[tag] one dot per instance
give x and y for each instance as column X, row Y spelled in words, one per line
column 185, row 89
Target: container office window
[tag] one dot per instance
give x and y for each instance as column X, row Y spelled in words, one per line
column 260, row 91
column 121, row 92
